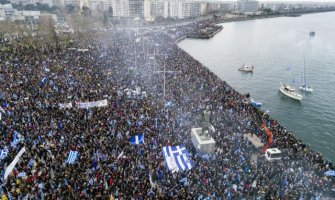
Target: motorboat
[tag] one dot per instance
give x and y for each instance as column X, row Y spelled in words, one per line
column 290, row 92
column 255, row 104
column 246, row 68
column 312, row 33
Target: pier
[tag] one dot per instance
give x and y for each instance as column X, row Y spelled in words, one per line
column 206, row 33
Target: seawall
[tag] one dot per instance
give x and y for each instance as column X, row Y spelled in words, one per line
column 260, row 112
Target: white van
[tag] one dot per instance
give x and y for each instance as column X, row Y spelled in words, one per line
column 273, row 154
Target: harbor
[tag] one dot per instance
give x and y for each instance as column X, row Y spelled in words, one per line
column 274, row 67
column 206, row 33
column 117, row 117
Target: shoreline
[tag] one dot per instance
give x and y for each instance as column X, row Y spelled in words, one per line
column 260, row 111
column 177, row 40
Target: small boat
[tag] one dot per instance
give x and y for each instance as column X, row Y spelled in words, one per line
column 255, row 104
column 246, row 68
column 290, row 92
column 312, row 33
column 306, row 88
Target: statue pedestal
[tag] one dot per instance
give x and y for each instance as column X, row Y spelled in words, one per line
column 204, row 144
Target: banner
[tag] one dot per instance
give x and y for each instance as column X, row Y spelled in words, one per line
column 82, row 50
column 92, row 104
column 10, row 167
column 65, row 105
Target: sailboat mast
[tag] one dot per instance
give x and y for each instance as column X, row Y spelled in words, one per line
column 305, row 75
column 301, row 75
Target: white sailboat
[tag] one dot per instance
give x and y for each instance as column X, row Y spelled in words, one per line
column 290, row 92
column 304, row 86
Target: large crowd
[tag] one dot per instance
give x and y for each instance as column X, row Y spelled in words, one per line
column 126, row 68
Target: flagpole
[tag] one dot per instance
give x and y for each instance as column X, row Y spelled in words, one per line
column 164, row 79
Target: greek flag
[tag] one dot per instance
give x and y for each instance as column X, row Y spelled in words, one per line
column 9, row 196
column 5, row 105
column 177, row 158
column 184, row 181
column 31, row 162
column 2, row 110
column 72, row 157
column 43, row 81
column 21, row 174
column 137, row 139
column 16, row 139
column 46, row 69
column 168, row 104
column 330, row 173
column 3, row 153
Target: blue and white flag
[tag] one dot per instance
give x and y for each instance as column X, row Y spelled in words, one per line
column 43, row 81
column 137, row 139
column 15, row 140
column 31, row 162
column 168, row 104
column 3, row 153
column 5, row 105
column 21, row 174
column 9, row 196
column 184, row 181
column 2, row 110
column 72, row 157
column 205, row 156
column 46, row 69
column 330, row 173
column 174, row 150
column 177, row 158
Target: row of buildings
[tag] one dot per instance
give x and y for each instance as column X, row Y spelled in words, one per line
column 8, row 12
column 145, row 9
column 151, row 9
column 176, row 9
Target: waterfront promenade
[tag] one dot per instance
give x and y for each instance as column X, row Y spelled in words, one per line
column 37, row 79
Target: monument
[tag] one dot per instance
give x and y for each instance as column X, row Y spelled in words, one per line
column 202, row 137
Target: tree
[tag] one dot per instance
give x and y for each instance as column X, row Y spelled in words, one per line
column 86, row 11
column 267, row 10
column 82, row 27
column 110, row 11
column 70, row 8
column 4, row 2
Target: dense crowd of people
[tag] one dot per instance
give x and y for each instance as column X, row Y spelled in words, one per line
column 126, row 67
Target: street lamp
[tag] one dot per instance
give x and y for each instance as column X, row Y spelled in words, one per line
column 165, row 72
